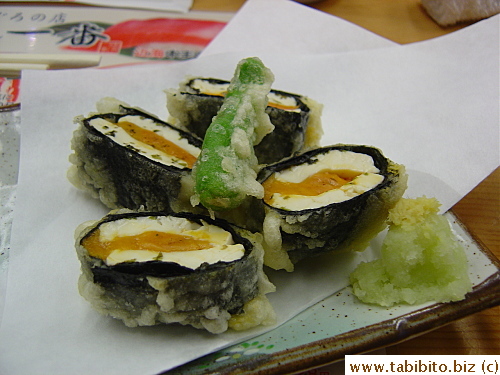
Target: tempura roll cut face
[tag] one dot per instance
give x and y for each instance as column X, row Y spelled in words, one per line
column 296, row 119
column 131, row 159
column 152, row 268
column 329, row 199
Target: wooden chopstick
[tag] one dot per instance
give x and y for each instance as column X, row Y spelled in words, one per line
column 13, row 63
column 12, row 69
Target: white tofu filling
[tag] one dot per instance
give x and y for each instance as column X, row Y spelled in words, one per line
column 222, row 247
column 361, row 165
column 286, row 102
column 120, row 136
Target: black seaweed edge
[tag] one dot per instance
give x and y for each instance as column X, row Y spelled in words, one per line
column 136, row 268
column 191, row 138
column 380, row 161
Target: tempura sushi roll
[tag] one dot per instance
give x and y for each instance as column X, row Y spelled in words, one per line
column 328, row 199
column 296, row 118
column 153, row 268
column 130, row 159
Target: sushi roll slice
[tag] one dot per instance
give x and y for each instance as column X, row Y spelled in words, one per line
column 130, row 159
column 296, row 119
column 328, row 199
column 154, row 268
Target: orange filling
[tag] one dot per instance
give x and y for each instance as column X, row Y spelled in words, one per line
column 150, row 240
column 157, row 141
column 315, row 184
column 282, row 106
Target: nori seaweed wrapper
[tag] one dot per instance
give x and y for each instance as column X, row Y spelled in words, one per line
column 155, row 292
column 120, row 176
column 347, row 225
column 195, row 111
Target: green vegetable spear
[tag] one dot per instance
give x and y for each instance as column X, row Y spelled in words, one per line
column 225, row 172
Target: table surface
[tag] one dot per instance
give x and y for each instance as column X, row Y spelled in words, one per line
column 405, row 21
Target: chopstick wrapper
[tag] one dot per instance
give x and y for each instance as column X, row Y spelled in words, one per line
column 161, row 5
column 431, row 106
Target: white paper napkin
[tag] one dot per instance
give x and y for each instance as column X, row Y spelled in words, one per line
column 283, row 26
column 431, row 106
